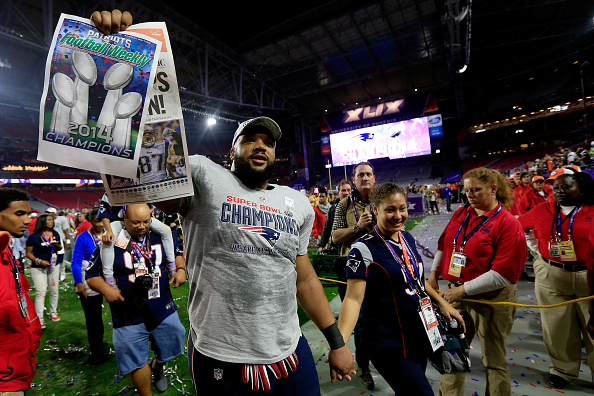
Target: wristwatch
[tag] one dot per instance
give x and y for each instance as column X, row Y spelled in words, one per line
column 356, row 229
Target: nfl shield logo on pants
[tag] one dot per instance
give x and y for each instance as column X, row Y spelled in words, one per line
column 218, row 374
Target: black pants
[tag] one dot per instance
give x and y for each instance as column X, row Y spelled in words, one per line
column 94, row 320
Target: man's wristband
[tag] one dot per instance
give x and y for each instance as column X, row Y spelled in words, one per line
column 38, row 261
column 333, row 336
column 182, row 268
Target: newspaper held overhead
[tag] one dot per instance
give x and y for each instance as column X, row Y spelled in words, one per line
column 94, row 96
column 162, row 171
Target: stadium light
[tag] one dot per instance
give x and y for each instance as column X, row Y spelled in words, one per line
column 211, row 121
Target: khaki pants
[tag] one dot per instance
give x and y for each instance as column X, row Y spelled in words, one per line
column 492, row 325
column 564, row 327
column 42, row 281
column 17, row 393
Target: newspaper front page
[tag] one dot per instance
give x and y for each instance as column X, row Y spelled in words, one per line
column 94, row 97
column 162, row 171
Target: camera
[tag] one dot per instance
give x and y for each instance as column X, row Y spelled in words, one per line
column 143, row 283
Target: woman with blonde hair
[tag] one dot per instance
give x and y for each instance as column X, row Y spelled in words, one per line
column 481, row 253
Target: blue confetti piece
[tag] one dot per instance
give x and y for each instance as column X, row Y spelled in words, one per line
column 474, row 379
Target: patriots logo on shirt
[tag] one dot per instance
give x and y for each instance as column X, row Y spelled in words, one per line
column 365, row 136
column 353, row 264
column 270, row 234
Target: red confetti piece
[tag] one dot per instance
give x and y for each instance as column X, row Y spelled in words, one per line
column 533, row 385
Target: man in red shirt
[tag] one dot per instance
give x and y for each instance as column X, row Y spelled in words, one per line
column 83, row 225
column 535, row 195
column 20, row 328
column 523, row 186
column 321, row 211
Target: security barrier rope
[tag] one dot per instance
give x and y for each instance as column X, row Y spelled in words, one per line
column 499, row 302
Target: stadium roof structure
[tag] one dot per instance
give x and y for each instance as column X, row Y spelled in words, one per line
column 476, row 58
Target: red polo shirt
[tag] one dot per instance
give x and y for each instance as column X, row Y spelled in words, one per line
column 540, row 220
column 531, row 199
column 499, row 245
column 590, row 261
column 520, row 190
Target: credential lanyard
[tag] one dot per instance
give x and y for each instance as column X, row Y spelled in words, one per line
column 556, row 231
column 142, row 250
column 355, row 209
column 499, row 209
column 96, row 239
column 48, row 240
column 15, row 272
column 411, row 268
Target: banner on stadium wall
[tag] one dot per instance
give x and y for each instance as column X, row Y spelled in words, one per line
column 94, row 96
column 381, row 113
column 415, row 204
column 325, row 141
column 453, row 177
column 435, row 123
column 163, row 169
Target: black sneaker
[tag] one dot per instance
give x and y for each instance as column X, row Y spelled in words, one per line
column 158, row 375
column 557, row 382
column 365, row 378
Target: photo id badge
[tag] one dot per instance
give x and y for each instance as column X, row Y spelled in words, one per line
column 430, row 324
column 23, row 305
column 456, row 263
column 154, row 291
column 428, row 314
column 566, row 251
column 554, row 249
column 140, row 268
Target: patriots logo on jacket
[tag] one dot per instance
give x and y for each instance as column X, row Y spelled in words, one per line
column 270, row 234
column 364, row 136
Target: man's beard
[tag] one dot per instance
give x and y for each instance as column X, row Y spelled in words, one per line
column 250, row 176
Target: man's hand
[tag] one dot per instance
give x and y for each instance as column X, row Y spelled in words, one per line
column 178, row 279
column 108, row 237
column 80, row 290
column 342, row 364
column 320, row 249
column 111, row 22
column 365, row 220
column 454, row 294
column 113, row 295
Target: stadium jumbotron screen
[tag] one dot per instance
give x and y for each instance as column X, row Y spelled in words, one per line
column 395, row 140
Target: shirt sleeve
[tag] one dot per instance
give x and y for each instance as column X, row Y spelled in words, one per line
column 77, row 257
column 528, row 220
column 358, row 259
column 511, row 251
column 490, row 280
column 95, row 267
column 305, row 231
column 104, row 208
column 32, row 240
column 339, row 218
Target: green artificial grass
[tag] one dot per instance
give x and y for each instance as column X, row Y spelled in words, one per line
column 62, row 367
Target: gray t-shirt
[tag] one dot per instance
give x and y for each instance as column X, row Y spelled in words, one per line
column 60, row 224
column 241, row 245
